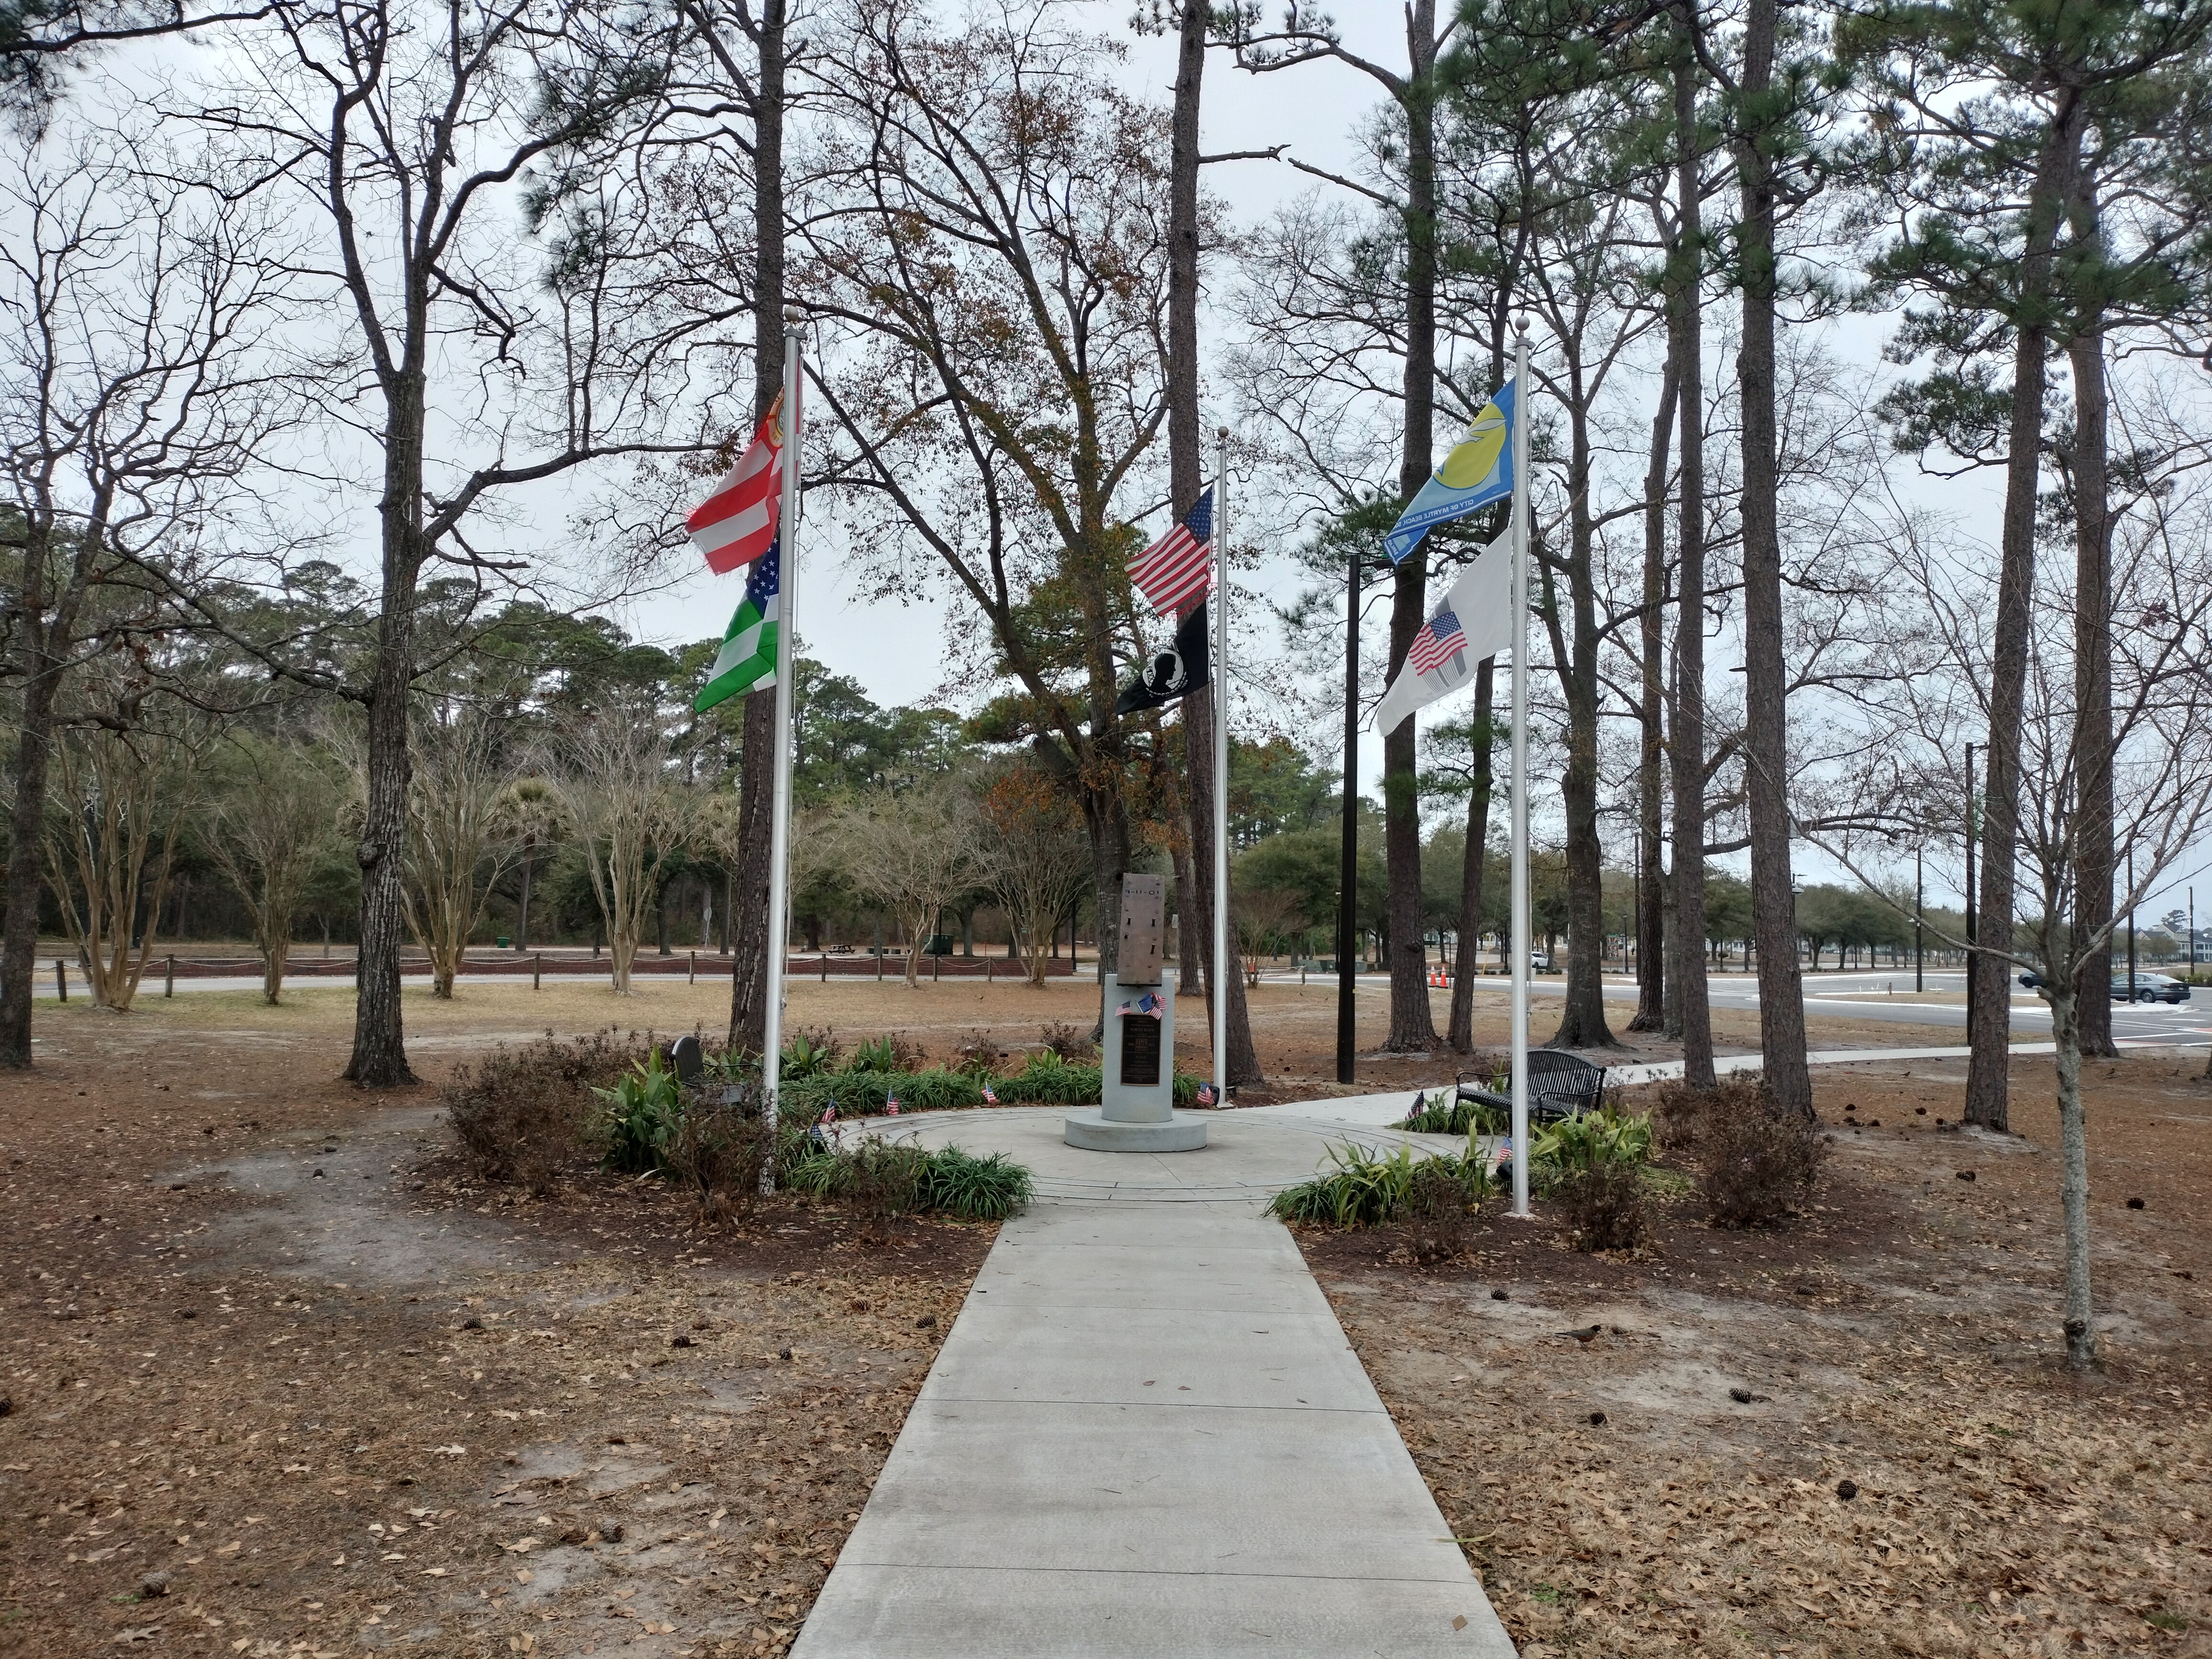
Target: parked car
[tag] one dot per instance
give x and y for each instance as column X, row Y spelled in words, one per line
column 2149, row 987
column 2033, row 981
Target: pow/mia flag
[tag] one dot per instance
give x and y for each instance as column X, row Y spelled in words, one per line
column 1180, row 668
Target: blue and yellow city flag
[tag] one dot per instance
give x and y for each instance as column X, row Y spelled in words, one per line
column 1478, row 472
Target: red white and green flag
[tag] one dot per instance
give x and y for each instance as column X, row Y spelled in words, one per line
column 736, row 525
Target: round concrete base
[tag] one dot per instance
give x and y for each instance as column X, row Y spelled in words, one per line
column 1094, row 1132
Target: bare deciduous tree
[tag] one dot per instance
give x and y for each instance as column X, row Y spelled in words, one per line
column 913, row 851
column 127, row 419
column 1034, row 858
column 462, row 838
column 625, row 814
column 273, row 814
column 121, row 788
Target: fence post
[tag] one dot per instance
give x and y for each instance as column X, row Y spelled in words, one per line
column 61, row 978
column 825, row 962
column 169, row 980
column 880, row 964
column 536, row 969
column 695, row 967
column 935, row 962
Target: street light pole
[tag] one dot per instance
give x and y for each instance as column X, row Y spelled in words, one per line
column 2131, row 924
column 1919, row 908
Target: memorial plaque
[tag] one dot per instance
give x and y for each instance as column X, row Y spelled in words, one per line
column 1144, row 929
column 1140, row 1051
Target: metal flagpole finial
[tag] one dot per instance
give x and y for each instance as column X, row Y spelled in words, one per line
column 1521, row 323
column 793, row 316
column 1221, row 433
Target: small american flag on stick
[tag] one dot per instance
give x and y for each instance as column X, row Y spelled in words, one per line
column 1439, row 640
column 1178, row 568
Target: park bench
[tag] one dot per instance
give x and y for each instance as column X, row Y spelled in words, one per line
column 1560, row 1085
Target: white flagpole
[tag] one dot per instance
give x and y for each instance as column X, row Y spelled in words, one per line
column 1222, row 967
column 1520, row 516
column 779, row 857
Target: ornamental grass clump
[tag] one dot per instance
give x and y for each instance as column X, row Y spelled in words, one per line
column 1367, row 1189
column 878, row 1179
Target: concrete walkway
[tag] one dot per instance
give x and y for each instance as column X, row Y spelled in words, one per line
column 1145, row 1434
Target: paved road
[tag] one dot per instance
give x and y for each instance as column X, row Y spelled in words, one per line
column 1872, row 996
column 1890, row 996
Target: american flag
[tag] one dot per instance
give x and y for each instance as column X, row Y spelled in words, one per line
column 1150, row 1003
column 737, row 524
column 1178, row 568
column 1436, row 642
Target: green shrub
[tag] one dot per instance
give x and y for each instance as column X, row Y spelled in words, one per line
column 974, row 1189
column 1049, row 1081
column 809, row 1054
column 863, row 1094
column 1443, row 1116
column 1366, row 1189
column 896, row 1053
column 639, row 1116
column 879, row 1178
column 1605, row 1139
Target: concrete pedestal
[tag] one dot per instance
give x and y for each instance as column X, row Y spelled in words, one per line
column 1137, row 1111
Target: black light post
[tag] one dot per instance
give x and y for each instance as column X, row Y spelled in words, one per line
column 1919, row 909
column 2131, row 924
column 1348, row 898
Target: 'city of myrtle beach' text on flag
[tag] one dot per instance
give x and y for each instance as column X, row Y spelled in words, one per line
column 746, row 661
column 1478, row 472
column 1475, row 621
column 737, row 524
column 1177, row 569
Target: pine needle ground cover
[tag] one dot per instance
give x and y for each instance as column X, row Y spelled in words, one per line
column 1848, row 1435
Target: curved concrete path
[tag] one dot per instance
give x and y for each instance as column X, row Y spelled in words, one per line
column 1145, row 1433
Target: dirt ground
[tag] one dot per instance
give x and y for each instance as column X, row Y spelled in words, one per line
column 278, row 1379
column 1901, row 1336
column 268, row 1353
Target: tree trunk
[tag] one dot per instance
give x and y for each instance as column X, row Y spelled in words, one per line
column 1413, row 1027
column 379, row 1049
column 1473, row 865
column 1989, row 1032
column 25, row 851
column 2073, row 1175
column 1186, row 467
column 1575, row 649
column 1766, row 738
column 2093, row 693
column 749, row 975
column 1687, row 967
column 1650, row 781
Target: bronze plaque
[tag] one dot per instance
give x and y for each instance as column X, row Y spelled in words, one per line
column 1144, row 929
column 1141, row 1050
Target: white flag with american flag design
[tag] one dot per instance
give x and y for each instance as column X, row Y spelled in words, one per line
column 1475, row 621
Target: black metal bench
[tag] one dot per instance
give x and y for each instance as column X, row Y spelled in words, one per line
column 1560, row 1085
